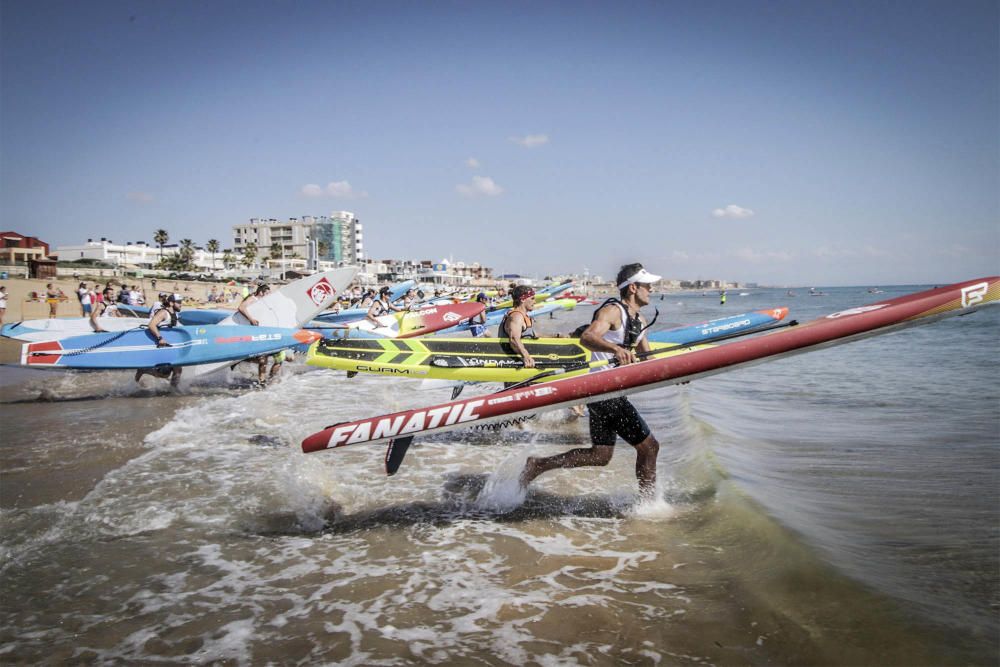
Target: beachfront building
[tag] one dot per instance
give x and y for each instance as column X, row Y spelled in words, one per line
column 20, row 249
column 339, row 238
column 425, row 271
column 135, row 254
column 323, row 241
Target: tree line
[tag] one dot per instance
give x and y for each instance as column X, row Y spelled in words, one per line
column 183, row 260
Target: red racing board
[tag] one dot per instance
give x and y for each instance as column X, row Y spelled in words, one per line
column 834, row 329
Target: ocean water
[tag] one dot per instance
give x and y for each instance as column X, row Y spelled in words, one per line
column 840, row 507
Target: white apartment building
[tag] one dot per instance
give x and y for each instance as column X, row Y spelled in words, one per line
column 337, row 239
column 138, row 254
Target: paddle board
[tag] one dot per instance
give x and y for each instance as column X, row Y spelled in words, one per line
column 396, row 292
column 137, row 349
column 407, row 324
column 56, row 328
column 493, row 359
column 494, row 317
column 834, row 329
column 187, row 316
column 288, row 307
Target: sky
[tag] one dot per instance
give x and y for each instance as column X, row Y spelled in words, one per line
column 798, row 143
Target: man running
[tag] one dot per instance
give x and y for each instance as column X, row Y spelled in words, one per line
column 616, row 331
column 164, row 317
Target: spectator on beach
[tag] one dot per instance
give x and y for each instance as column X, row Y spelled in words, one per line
column 52, row 297
column 3, row 302
column 86, row 298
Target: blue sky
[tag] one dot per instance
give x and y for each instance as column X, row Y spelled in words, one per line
column 781, row 142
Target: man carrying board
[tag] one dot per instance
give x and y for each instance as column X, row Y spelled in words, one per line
column 616, row 332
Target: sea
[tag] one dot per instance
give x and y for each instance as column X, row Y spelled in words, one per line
column 840, row 507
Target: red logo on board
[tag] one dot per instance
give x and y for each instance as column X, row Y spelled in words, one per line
column 321, row 291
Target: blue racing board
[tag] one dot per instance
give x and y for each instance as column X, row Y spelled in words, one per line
column 707, row 331
column 189, row 346
column 192, row 316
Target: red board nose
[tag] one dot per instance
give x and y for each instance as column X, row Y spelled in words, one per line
column 307, row 337
column 777, row 313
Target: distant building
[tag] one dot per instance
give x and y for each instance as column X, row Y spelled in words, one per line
column 137, row 254
column 20, row 249
column 337, row 239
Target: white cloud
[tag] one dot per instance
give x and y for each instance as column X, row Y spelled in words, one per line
column 480, row 186
column 140, row 197
column 750, row 255
column 472, row 162
column 531, row 140
column 334, row 189
column 732, row 211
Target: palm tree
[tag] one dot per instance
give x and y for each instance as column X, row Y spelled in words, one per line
column 227, row 258
column 187, row 252
column 321, row 248
column 213, row 247
column 249, row 254
column 161, row 237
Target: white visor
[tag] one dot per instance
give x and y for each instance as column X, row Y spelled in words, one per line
column 643, row 276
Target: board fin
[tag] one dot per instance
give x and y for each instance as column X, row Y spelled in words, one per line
column 394, row 453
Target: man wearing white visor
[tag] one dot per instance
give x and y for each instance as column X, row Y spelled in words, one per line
column 616, row 332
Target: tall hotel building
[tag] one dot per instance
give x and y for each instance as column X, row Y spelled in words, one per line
column 337, row 239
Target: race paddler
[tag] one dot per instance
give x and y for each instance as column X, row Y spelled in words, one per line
column 381, row 306
column 166, row 316
column 517, row 324
column 616, row 332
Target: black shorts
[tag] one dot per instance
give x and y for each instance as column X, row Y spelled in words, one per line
column 616, row 417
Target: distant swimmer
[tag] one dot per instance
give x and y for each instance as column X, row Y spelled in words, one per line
column 163, row 317
column 616, row 332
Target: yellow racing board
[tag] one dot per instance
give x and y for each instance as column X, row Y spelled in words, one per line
column 464, row 359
